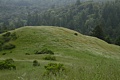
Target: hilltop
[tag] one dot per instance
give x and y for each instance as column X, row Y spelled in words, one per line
column 81, row 54
column 57, row 38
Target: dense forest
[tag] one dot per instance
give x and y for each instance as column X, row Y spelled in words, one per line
column 82, row 16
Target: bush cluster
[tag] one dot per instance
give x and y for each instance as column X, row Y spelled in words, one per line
column 13, row 36
column 4, row 40
column 7, row 34
column 54, row 68
column 8, row 46
column 6, row 37
column 27, row 53
column 9, row 61
column 44, row 51
column 49, row 57
column 3, row 53
column 7, row 64
column 36, row 63
column 75, row 34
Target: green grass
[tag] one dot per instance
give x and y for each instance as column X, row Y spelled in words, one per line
column 85, row 57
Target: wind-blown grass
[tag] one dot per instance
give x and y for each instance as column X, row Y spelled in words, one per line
column 84, row 57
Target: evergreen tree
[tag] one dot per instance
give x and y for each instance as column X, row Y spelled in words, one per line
column 107, row 39
column 117, row 42
column 77, row 2
column 98, row 32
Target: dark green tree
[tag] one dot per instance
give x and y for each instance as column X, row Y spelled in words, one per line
column 107, row 39
column 117, row 42
column 98, row 32
column 77, row 2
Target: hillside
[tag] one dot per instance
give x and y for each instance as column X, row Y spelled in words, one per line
column 85, row 57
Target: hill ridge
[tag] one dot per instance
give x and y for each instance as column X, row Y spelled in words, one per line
column 57, row 38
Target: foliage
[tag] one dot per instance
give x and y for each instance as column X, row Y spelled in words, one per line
column 27, row 53
column 77, row 2
column 7, row 64
column 54, row 68
column 44, row 51
column 83, row 18
column 49, row 57
column 107, row 39
column 117, row 42
column 7, row 34
column 75, row 34
column 80, row 16
column 9, row 61
column 98, row 32
column 13, row 36
column 5, row 39
column 0, row 47
column 3, row 53
column 8, row 46
column 36, row 63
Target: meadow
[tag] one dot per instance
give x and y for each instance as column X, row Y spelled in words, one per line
column 84, row 57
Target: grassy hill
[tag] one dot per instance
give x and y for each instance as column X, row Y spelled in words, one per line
column 84, row 57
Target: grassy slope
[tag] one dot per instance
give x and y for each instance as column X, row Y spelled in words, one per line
column 87, row 58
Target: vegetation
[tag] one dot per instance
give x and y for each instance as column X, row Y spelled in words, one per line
column 83, row 57
column 118, row 41
column 74, row 14
column 75, row 34
column 54, row 68
column 27, row 53
column 36, row 63
column 98, row 32
column 57, row 53
column 8, row 46
column 3, row 53
column 49, row 57
column 5, row 39
column 7, row 64
column 82, row 17
column 45, row 51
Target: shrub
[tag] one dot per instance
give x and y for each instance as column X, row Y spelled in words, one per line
column 49, row 57
column 37, row 52
column 0, row 47
column 9, row 61
column 7, row 34
column 44, row 51
column 1, row 42
column 54, row 68
column 7, row 64
column 6, row 37
column 3, row 53
column 36, row 63
column 75, row 34
column 13, row 36
column 4, row 65
column 27, row 53
column 8, row 46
